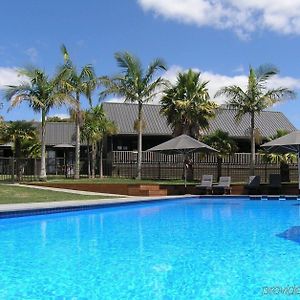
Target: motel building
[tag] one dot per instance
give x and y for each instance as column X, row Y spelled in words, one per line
column 60, row 136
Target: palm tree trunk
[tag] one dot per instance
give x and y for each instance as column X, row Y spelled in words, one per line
column 93, row 159
column 139, row 161
column 43, row 174
column 252, row 162
column 101, row 159
column 18, row 159
column 77, row 146
column 88, row 158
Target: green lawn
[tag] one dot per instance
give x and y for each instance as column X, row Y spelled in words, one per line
column 114, row 180
column 17, row 194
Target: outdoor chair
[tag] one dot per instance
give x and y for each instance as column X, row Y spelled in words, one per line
column 274, row 183
column 253, row 185
column 206, row 184
column 223, row 187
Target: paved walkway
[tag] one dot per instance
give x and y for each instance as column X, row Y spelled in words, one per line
column 68, row 191
column 23, row 207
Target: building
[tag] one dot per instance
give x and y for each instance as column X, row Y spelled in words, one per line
column 60, row 136
column 157, row 129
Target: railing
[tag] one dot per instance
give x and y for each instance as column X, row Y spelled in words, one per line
column 27, row 169
column 153, row 157
column 161, row 166
column 154, row 166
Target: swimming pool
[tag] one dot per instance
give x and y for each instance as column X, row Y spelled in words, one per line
column 193, row 248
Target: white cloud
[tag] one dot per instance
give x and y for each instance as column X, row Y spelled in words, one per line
column 61, row 116
column 240, row 69
column 217, row 81
column 114, row 99
column 242, row 16
column 10, row 76
column 32, row 53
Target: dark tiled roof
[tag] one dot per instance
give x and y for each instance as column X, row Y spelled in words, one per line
column 60, row 133
column 124, row 115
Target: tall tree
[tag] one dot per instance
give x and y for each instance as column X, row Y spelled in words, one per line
column 136, row 85
column 187, row 105
column 23, row 135
column 255, row 98
column 221, row 141
column 42, row 94
column 283, row 159
column 96, row 126
column 77, row 83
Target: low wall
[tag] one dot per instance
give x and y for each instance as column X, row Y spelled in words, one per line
column 122, row 189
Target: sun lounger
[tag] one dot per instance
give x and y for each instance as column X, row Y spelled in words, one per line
column 206, row 184
column 274, row 183
column 253, row 185
column 223, row 187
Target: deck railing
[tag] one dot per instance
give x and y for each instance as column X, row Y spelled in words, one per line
column 124, row 157
column 154, row 166
column 161, row 166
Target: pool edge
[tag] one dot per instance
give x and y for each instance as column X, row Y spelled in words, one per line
column 40, row 208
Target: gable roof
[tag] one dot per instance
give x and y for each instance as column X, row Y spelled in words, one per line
column 60, row 133
column 124, row 115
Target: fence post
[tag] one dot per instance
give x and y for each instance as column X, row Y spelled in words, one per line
column 159, row 170
column 12, row 168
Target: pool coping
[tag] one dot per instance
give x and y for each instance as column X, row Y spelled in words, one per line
column 39, row 208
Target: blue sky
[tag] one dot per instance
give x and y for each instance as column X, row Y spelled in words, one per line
column 221, row 39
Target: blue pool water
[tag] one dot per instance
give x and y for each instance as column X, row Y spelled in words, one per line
column 181, row 249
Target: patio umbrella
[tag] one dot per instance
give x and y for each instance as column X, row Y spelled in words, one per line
column 286, row 144
column 184, row 145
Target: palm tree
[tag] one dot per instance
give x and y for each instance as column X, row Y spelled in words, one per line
column 255, row 98
column 187, row 105
column 42, row 94
column 136, row 85
column 96, row 126
column 283, row 159
column 77, row 83
column 22, row 135
column 221, row 141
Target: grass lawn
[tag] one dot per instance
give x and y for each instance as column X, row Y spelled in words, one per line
column 16, row 194
column 114, row 180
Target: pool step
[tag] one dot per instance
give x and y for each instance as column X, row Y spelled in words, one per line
column 147, row 190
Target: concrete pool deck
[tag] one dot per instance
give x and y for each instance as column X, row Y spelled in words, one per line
column 23, row 209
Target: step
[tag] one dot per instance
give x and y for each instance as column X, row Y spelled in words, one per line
column 147, row 187
column 158, row 193
column 137, row 192
column 133, row 191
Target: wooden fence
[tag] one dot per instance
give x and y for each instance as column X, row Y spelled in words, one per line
column 154, row 166
column 161, row 166
column 153, row 157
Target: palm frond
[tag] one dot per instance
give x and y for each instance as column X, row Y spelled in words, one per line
column 265, row 72
column 156, row 65
column 273, row 96
column 65, row 53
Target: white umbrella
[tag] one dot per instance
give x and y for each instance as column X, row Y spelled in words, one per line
column 289, row 143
